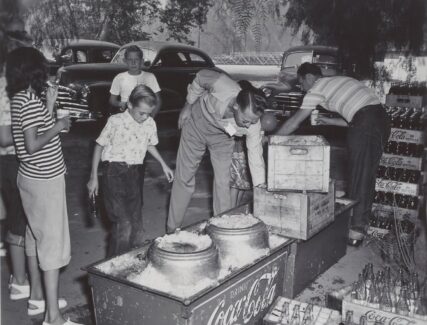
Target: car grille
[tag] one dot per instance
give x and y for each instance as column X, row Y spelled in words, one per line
column 288, row 102
column 66, row 100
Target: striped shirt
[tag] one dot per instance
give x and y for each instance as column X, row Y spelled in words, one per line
column 342, row 95
column 29, row 112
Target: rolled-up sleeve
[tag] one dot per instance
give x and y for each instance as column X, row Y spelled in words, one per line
column 202, row 82
column 255, row 157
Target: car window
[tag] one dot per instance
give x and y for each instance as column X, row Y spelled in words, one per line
column 101, row 55
column 294, row 60
column 149, row 55
column 197, row 60
column 171, row 60
column 67, row 56
column 81, row 56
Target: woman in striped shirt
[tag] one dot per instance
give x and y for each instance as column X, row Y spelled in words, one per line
column 41, row 172
column 369, row 129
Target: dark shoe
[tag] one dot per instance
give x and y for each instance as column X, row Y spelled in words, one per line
column 355, row 238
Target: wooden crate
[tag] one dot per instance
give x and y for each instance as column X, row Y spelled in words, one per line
column 400, row 213
column 406, row 101
column 321, row 315
column 293, row 214
column 373, row 314
column 396, row 161
column 377, row 232
column 409, row 136
column 386, row 185
column 298, row 163
column 310, row 258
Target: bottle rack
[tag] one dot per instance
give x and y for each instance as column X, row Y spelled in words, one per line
column 402, row 175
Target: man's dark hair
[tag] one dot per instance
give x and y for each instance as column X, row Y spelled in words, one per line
column 309, row 68
column 251, row 97
column 26, row 67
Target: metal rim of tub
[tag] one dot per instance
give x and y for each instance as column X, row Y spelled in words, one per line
column 257, row 231
column 197, row 255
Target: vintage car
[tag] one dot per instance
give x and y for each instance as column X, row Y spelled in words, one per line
column 285, row 95
column 86, row 86
column 66, row 52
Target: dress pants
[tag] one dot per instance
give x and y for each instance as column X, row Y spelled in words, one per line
column 198, row 134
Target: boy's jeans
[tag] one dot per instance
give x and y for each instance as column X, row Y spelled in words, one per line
column 368, row 133
column 121, row 185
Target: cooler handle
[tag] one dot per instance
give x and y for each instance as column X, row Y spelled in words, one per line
column 298, row 151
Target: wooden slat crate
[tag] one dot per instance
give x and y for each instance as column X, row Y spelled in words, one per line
column 387, row 185
column 409, row 136
column 373, row 314
column 395, row 161
column 298, row 163
column 321, row 315
column 406, row 101
column 377, row 232
column 293, row 214
column 400, row 213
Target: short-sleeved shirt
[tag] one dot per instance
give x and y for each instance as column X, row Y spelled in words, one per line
column 28, row 111
column 215, row 91
column 126, row 140
column 124, row 83
column 5, row 118
column 342, row 95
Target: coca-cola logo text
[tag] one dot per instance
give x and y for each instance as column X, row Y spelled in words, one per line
column 250, row 304
column 373, row 316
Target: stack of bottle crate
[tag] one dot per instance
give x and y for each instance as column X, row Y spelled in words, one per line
column 386, row 298
column 401, row 176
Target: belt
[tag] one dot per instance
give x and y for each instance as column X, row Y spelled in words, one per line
column 120, row 163
column 365, row 109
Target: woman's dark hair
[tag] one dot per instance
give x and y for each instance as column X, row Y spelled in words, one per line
column 309, row 68
column 143, row 94
column 25, row 67
column 134, row 48
column 251, row 97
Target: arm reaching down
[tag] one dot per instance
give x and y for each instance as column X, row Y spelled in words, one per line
column 92, row 185
column 155, row 153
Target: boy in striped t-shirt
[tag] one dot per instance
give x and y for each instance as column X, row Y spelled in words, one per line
column 369, row 129
column 41, row 180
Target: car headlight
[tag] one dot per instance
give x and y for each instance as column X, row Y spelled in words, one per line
column 267, row 92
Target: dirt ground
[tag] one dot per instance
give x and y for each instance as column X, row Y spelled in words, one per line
column 89, row 236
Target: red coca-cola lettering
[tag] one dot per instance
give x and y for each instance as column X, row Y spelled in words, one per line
column 373, row 316
column 250, row 304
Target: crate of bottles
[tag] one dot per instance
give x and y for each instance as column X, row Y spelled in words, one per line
column 300, row 163
column 381, row 225
column 407, row 94
column 403, row 162
column 383, row 298
column 288, row 311
column 293, row 214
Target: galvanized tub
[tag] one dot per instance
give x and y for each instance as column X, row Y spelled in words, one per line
column 185, row 268
column 230, row 241
column 243, row 297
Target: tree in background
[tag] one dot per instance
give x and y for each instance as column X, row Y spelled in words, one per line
column 361, row 29
column 180, row 16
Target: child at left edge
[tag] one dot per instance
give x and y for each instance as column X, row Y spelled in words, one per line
column 121, row 147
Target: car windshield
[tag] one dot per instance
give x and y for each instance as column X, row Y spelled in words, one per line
column 294, row 60
column 149, row 55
